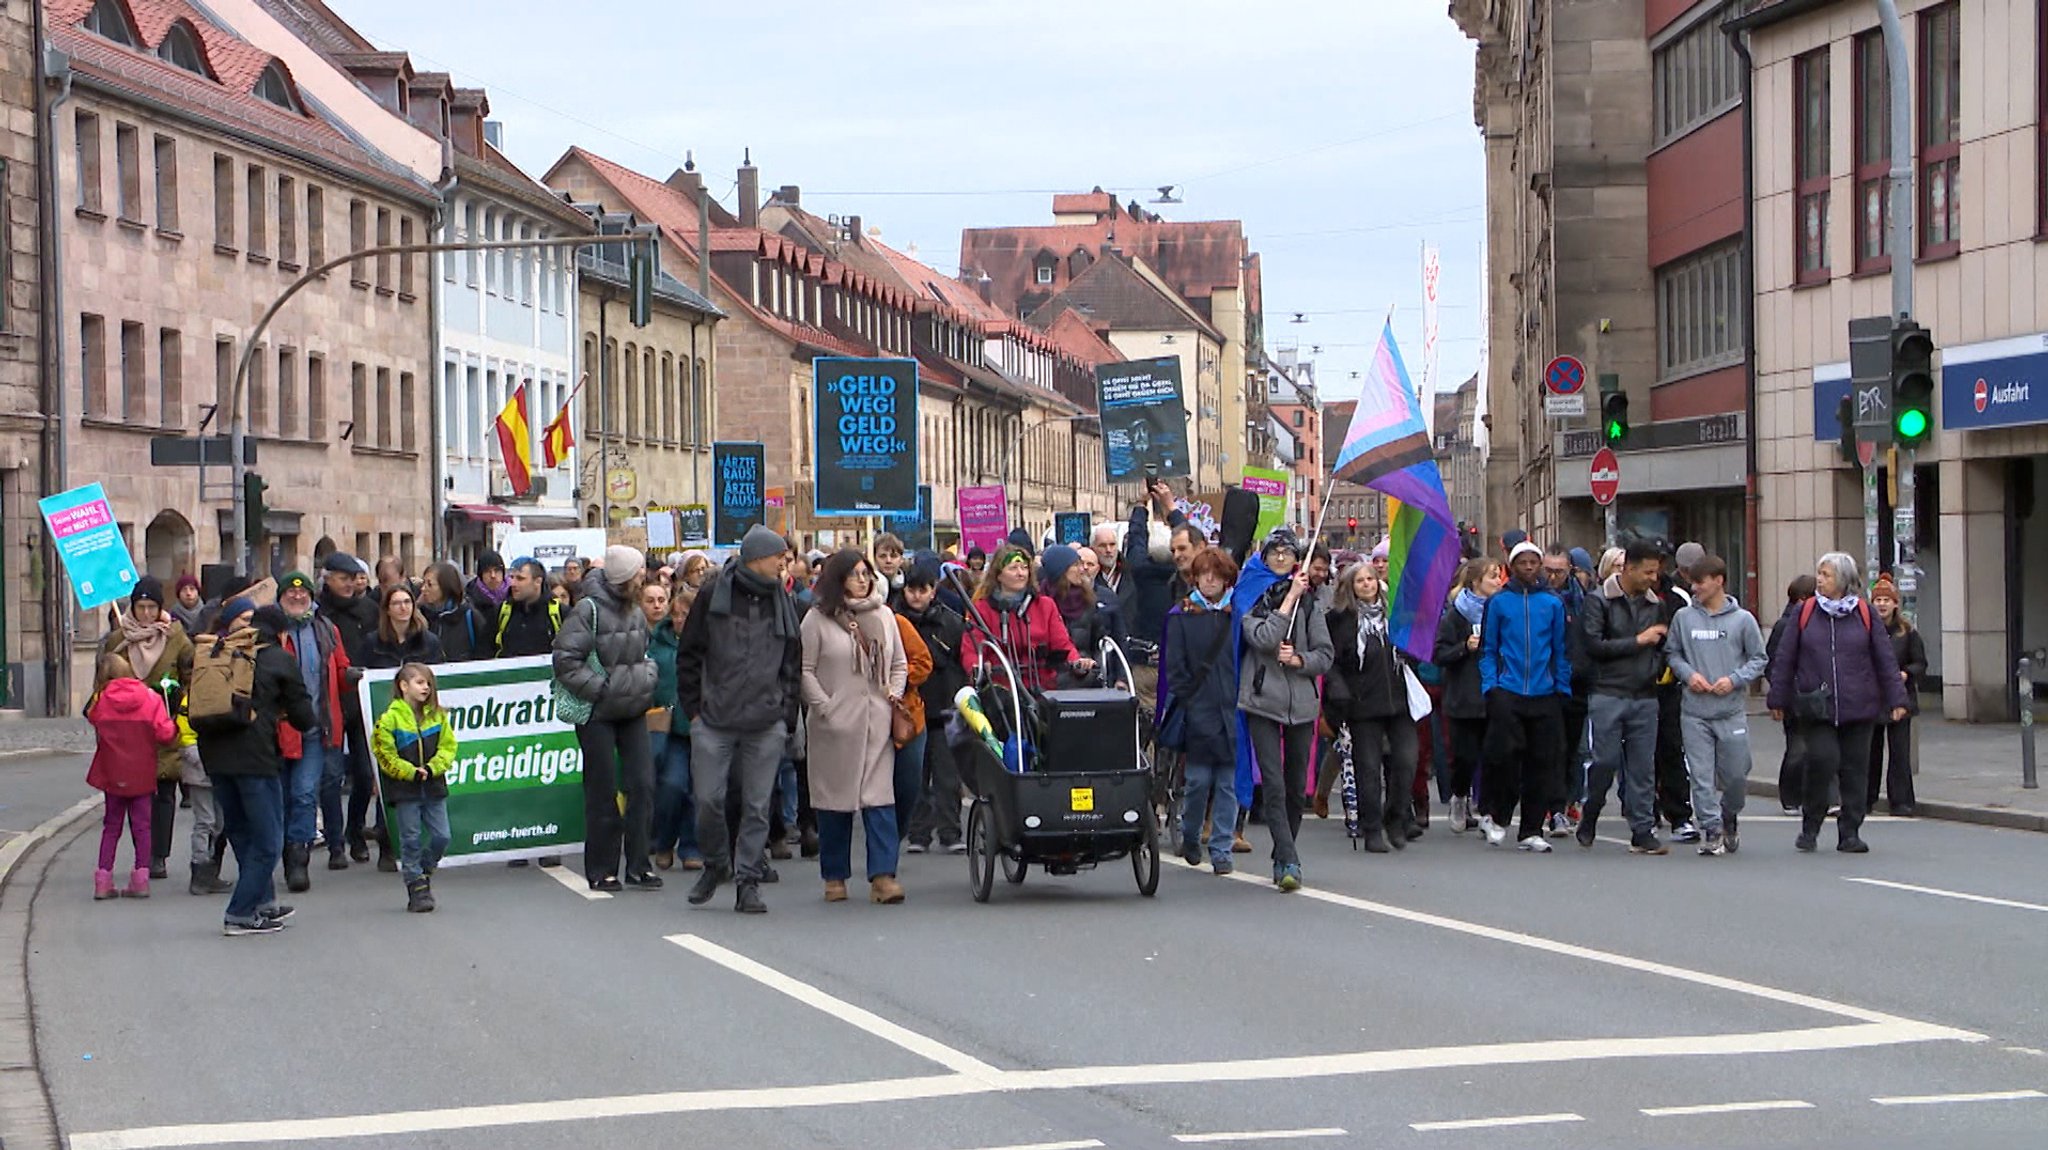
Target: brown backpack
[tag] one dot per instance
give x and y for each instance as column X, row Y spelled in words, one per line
column 218, row 693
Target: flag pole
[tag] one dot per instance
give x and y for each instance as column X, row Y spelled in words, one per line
column 1330, row 488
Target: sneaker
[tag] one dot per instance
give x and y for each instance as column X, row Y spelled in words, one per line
column 1223, row 866
column 748, row 899
column 1557, row 827
column 1806, row 842
column 1687, row 832
column 1716, row 844
column 276, row 912
column 1290, row 879
column 258, row 926
column 1536, row 844
column 957, row 847
column 1461, row 814
column 1494, row 832
column 1191, row 853
column 1728, row 835
column 1573, row 812
column 1646, row 843
column 916, row 848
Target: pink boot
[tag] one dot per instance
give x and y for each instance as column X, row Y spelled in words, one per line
column 102, row 885
column 138, row 883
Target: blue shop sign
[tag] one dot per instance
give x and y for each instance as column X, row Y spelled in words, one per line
column 2002, row 383
column 1830, row 388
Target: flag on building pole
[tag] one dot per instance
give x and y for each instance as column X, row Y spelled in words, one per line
column 556, row 440
column 1388, row 449
column 1431, row 273
column 515, row 441
column 1481, row 437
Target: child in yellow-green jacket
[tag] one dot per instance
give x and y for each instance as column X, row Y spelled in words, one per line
column 414, row 746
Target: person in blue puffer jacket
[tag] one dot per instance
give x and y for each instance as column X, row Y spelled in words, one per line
column 1525, row 673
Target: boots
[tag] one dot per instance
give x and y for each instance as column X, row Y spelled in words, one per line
column 159, row 868
column 102, row 885
column 1376, row 842
column 337, row 859
column 748, row 899
column 807, row 842
column 138, row 883
column 296, row 877
column 707, row 884
column 386, row 861
column 206, row 880
column 419, row 895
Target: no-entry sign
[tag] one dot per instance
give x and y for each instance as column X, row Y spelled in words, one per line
column 1605, row 476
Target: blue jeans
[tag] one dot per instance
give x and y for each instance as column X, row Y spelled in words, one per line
column 252, row 811
column 786, row 796
column 1204, row 784
column 303, row 778
column 675, row 811
column 414, row 857
column 835, row 842
column 909, row 780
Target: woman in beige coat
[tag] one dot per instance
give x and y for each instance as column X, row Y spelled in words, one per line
column 854, row 672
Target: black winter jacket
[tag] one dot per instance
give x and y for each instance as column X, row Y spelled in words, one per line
column 526, row 628
column 1462, row 698
column 278, row 692
column 1357, row 688
column 729, row 674
column 617, row 631
column 1206, row 689
column 355, row 617
column 1622, row 667
column 943, row 630
column 464, row 632
column 422, row 647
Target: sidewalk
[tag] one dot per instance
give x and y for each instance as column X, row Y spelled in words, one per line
column 1968, row 771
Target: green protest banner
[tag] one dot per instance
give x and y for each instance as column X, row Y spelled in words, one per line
column 1271, row 488
column 516, row 788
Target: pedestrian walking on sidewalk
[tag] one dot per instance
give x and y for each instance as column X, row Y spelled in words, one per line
column 1716, row 650
column 1792, row 764
column 415, row 745
column 1836, row 675
column 1910, row 651
column 132, row 726
column 854, row 674
column 1625, row 629
column 600, row 656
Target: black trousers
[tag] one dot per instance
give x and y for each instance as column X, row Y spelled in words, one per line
column 362, row 777
column 1674, row 785
column 1383, row 760
column 163, row 811
column 617, row 756
column 1522, row 734
column 938, row 808
column 1792, row 768
column 1898, row 782
column 1571, row 742
column 1468, row 751
column 1837, row 764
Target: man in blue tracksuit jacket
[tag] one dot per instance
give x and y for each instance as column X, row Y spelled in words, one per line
column 1525, row 672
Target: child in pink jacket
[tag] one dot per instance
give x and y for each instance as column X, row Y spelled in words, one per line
column 131, row 722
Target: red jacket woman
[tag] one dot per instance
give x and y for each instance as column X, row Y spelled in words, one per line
column 1028, row 625
column 131, row 722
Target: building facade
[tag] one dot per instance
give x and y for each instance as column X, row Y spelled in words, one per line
column 29, row 605
column 1292, row 402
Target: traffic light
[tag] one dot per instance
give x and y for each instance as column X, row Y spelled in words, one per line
column 1845, row 418
column 1912, row 384
column 1614, row 418
column 1351, row 524
column 254, row 510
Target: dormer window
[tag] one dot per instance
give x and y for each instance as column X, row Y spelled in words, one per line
column 1045, row 273
column 181, row 49
column 109, row 20
column 273, row 88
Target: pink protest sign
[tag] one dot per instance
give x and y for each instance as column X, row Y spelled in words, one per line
column 984, row 517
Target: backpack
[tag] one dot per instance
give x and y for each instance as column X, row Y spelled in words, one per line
column 505, row 620
column 1806, row 612
column 218, row 697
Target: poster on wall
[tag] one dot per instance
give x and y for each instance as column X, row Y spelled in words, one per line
column 914, row 530
column 693, row 525
column 1144, row 423
column 1071, row 528
column 984, row 517
column 1270, row 485
column 864, row 436
column 88, row 539
column 740, row 468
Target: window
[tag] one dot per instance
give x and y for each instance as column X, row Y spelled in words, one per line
column 223, row 202
column 316, row 397
column 88, row 162
column 632, row 426
column 473, row 257
column 1940, row 210
column 359, row 404
column 106, row 20
column 1810, row 157
column 134, row 369
column 672, row 426
column 1873, row 136
column 383, row 414
column 128, row 172
column 259, row 213
column 257, row 394
column 1699, row 312
column 384, row 241
column 408, row 422
column 405, row 263
column 474, row 407
column 358, row 239
column 166, row 184
column 316, row 226
column 92, row 363
column 492, row 256
column 181, row 50
column 699, row 418
column 273, row 88
column 287, row 222
column 1298, row 418
column 1045, row 273
column 1694, row 77
column 223, row 380
column 288, row 405
column 451, row 408
column 170, row 378
column 650, row 419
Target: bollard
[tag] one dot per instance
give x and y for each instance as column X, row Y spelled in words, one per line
column 2026, row 688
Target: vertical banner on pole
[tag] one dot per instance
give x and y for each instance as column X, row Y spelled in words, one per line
column 864, row 436
column 915, row 530
column 741, row 505
column 984, row 517
column 1431, row 274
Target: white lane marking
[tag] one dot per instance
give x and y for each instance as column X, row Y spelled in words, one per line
column 1491, row 1123
column 1945, row 1099
column 576, row 883
column 1625, row 962
column 927, row 1048
column 1956, row 894
column 1261, row 1135
column 1726, row 1108
column 1083, row 1144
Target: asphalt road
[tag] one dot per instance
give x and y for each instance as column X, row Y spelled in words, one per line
column 1582, row 999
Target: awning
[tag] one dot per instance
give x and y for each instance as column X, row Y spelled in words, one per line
column 480, row 512
column 556, row 522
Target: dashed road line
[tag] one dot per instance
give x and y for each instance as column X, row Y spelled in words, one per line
column 1083, row 1144
column 576, row 883
column 1262, row 1135
column 1957, row 1099
column 1494, row 1123
column 1726, row 1108
column 1954, row 894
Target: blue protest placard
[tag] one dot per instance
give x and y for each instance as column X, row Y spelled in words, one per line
column 864, row 436
column 1071, row 528
column 81, row 524
column 740, row 471
column 914, row 530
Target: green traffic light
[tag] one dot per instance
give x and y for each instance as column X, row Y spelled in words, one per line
column 1613, row 430
column 1912, row 423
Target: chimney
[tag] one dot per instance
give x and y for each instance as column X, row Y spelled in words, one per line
column 790, row 195
column 853, row 229
column 494, row 134
column 750, row 191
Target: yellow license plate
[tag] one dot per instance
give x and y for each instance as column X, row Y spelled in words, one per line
column 1083, row 798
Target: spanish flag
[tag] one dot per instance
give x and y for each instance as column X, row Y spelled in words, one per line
column 515, row 441
column 556, row 439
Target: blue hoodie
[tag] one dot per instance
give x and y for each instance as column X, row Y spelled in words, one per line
column 1523, row 650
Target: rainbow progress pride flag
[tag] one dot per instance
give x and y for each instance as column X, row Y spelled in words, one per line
column 1387, row 449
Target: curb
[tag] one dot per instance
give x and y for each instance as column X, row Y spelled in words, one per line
column 2003, row 817
column 26, row 1117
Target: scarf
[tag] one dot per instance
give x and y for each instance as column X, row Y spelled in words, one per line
column 477, row 590
column 1011, row 601
column 1372, row 624
column 1072, row 601
column 783, row 624
column 868, row 662
column 145, row 642
column 1222, row 602
column 1836, row 607
column 1471, row 604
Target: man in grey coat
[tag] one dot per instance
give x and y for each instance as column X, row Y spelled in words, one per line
column 1716, row 651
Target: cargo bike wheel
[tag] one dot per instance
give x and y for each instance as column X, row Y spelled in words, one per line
column 1145, row 856
column 981, row 850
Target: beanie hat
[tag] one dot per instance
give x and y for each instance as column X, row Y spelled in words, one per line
column 1021, row 538
column 1513, row 538
column 1886, row 587
column 148, row 589
column 1056, row 561
column 1281, row 537
column 1525, row 548
column 183, row 582
column 1582, row 559
column 760, row 543
column 1689, row 554
column 490, row 561
column 621, row 563
column 1381, row 549
column 294, row 579
column 234, row 609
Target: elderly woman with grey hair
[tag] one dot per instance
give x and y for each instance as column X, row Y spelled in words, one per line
column 1837, row 677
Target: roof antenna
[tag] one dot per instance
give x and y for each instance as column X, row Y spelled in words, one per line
column 689, row 161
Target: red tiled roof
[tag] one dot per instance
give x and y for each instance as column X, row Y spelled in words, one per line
column 1196, row 258
column 1076, row 338
column 1076, row 203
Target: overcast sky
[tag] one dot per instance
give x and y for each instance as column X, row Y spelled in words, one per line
column 1339, row 131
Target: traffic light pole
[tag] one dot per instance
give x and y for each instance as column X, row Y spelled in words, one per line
column 245, row 544
column 1906, row 514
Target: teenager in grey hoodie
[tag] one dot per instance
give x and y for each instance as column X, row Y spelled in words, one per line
column 1716, row 651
